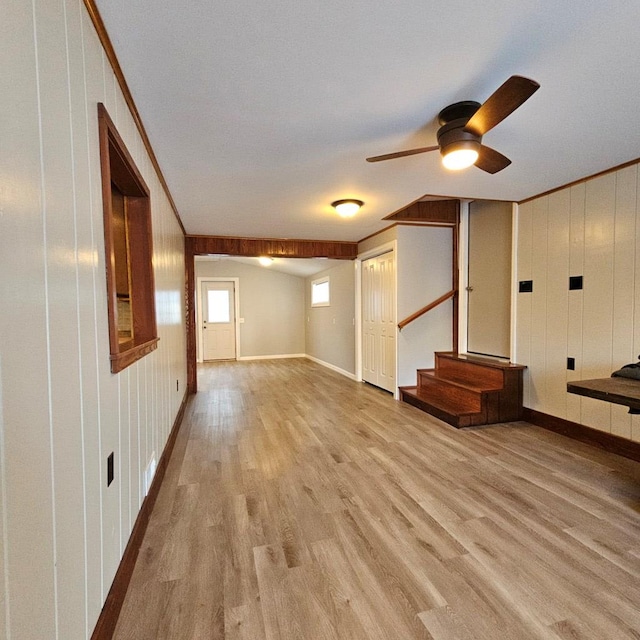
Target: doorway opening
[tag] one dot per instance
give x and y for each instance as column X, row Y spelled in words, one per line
column 217, row 318
column 489, row 276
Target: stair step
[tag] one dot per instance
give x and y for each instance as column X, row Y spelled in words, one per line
column 465, row 390
column 456, row 413
column 469, row 370
column 438, row 390
column 477, row 386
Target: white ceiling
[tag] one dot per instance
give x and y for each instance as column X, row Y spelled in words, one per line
column 301, row 267
column 262, row 113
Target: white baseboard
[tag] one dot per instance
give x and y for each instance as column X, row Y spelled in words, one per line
column 351, row 376
column 328, row 365
column 279, row 356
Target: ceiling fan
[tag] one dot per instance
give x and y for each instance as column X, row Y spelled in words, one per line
column 464, row 123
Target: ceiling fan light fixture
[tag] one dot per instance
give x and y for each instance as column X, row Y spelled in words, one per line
column 347, row 208
column 460, row 155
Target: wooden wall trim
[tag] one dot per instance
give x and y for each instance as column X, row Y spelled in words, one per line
column 113, row 604
column 435, row 211
column 101, row 30
column 575, row 182
column 607, row 441
column 190, row 306
column 274, row 247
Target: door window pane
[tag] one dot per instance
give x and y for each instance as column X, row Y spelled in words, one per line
column 218, row 306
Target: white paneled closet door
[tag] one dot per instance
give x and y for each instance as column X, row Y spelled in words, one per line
column 378, row 321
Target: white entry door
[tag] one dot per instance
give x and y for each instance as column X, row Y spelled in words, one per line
column 378, row 321
column 218, row 320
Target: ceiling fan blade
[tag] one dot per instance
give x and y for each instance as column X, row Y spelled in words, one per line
column 491, row 160
column 401, row 154
column 502, row 102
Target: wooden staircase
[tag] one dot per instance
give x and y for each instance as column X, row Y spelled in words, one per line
column 466, row 390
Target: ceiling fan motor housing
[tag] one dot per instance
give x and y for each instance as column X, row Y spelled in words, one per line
column 453, row 134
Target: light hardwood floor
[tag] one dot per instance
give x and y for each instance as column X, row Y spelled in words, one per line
column 301, row 505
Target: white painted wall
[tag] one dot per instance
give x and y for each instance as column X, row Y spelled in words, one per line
column 589, row 229
column 424, row 258
column 424, row 264
column 61, row 410
column 271, row 303
column 331, row 332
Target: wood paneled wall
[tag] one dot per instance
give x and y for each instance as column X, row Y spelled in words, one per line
column 274, row 247
column 62, row 412
column 589, row 229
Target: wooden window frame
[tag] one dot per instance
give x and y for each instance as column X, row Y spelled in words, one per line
column 119, row 172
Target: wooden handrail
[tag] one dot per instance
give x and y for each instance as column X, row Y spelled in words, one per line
column 432, row 305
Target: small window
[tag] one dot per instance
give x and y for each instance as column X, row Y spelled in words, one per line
column 320, row 293
column 128, row 251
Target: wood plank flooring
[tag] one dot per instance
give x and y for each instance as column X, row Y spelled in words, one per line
column 301, row 505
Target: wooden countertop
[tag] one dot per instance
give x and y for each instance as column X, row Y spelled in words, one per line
column 625, row 391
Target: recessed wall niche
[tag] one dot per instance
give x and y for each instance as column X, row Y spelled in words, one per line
column 128, row 250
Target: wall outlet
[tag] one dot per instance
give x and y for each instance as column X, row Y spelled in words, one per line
column 110, row 469
column 575, row 283
column 571, row 364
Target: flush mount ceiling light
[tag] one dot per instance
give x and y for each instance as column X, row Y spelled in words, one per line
column 347, row 208
column 460, row 154
column 265, row 261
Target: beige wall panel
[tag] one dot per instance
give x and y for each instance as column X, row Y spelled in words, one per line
column 635, row 420
column 110, row 89
column 598, row 293
column 522, row 351
column 94, row 320
column 29, row 546
column 64, row 530
column 85, row 264
column 601, row 320
column 557, row 303
column 576, row 298
column 378, row 240
column 62, row 315
column 624, row 285
column 424, row 273
column 331, row 331
column 539, row 265
column 109, row 394
column 123, row 463
column 137, row 433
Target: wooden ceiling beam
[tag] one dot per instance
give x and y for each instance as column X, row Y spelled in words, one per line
column 273, row 247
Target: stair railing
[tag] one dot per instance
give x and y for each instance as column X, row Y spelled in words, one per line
column 432, row 305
